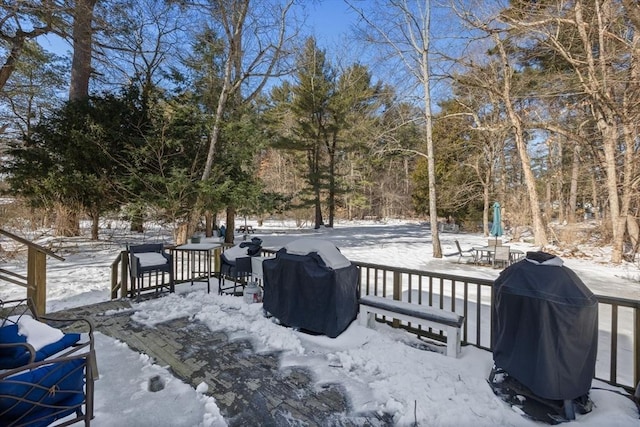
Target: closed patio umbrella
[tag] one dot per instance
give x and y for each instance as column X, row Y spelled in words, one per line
column 496, row 227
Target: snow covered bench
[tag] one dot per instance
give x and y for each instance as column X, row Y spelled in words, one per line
column 427, row 317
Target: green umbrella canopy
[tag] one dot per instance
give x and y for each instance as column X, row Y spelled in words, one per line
column 496, row 228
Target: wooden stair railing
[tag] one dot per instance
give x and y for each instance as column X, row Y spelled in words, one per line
column 36, row 279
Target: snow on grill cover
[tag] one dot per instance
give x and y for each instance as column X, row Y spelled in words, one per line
column 310, row 285
column 545, row 327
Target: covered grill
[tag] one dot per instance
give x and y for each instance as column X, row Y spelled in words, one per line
column 545, row 327
column 311, row 286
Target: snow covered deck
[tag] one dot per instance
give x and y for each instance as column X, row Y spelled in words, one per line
column 249, row 387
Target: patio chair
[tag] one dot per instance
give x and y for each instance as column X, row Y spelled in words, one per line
column 44, row 381
column 235, row 265
column 152, row 261
column 494, row 242
column 501, row 256
column 466, row 253
column 238, row 271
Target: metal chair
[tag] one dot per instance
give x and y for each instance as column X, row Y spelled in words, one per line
column 501, row 256
column 150, row 260
column 468, row 253
column 45, row 387
column 235, row 265
column 238, row 271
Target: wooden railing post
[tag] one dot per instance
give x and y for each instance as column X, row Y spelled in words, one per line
column 120, row 279
column 37, row 279
column 397, row 293
column 216, row 259
column 114, row 280
column 124, row 274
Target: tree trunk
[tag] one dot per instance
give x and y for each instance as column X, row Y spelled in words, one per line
column 82, row 49
column 485, row 202
column 318, row 221
column 209, row 221
column 539, row 232
column 182, row 234
column 80, row 73
column 548, row 210
column 231, row 224
column 136, row 220
column 425, row 75
column 634, row 236
column 332, row 180
column 95, row 225
column 573, row 189
column 594, row 199
column 313, row 158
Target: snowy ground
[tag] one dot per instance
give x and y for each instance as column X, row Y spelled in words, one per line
column 379, row 368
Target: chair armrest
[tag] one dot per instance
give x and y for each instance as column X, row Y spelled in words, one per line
column 67, row 325
column 26, row 345
column 77, row 325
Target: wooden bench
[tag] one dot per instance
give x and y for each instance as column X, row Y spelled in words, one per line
column 427, row 317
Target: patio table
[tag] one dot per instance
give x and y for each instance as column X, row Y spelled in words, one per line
column 197, row 257
column 481, row 252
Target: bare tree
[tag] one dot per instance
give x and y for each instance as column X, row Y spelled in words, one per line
column 22, row 21
column 603, row 51
column 137, row 41
column 248, row 60
column 255, row 33
column 403, row 26
column 539, row 233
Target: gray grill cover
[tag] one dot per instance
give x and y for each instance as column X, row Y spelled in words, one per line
column 545, row 327
column 301, row 291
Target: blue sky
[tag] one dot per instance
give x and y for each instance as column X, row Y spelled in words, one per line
column 330, row 21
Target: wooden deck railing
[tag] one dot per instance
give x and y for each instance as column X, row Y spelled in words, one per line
column 619, row 318
column 36, row 278
column 618, row 360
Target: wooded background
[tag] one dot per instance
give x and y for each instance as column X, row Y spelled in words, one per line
column 195, row 112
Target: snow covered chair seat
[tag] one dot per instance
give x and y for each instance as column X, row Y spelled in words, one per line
column 150, row 260
column 27, row 338
column 45, row 374
column 235, row 265
column 15, row 351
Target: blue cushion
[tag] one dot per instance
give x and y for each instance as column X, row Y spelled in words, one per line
column 65, row 378
column 9, row 335
column 16, row 356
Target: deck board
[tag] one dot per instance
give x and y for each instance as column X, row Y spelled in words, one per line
column 250, row 388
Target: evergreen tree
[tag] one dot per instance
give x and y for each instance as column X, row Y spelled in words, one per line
column 66, row 162
column 320, row 115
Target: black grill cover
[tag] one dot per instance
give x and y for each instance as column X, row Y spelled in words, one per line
column 301, row 291
column 545, row 327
